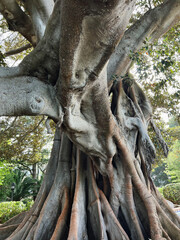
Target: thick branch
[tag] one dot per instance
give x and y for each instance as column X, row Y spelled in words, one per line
column 90, row 33
column 27, row 96
column 40, row 12
column 43, row 61
column 152, row 25
column 17, row 19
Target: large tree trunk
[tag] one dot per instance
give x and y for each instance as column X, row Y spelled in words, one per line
column 77, row 202
column 97, row 183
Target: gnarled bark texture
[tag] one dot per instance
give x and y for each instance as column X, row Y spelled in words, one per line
column 97, row 183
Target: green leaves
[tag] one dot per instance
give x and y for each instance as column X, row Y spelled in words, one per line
column 11, row 209
column 173, row 162
column 5, row 170
column 24, row 185
column 157, row 70
column 18, row 133
column 23, row 143
column 171, row 192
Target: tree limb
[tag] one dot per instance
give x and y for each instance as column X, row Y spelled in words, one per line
column 40, row 11
column 152, row 25
column 18, row 50
column 31, row 130
column 29, row 96
column 17, row 19
column 43, row 61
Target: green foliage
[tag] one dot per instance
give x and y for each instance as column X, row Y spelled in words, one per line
column 159, row 176
column 173, row 122
column 11, row 209
column 5, row 170
column 7, row 179
column 167, row 136
column 28, row 202
column 160, row 190
column 157, row 68
column 23, row 144
column 171, row 192
column 18, row 133
column 142, row 6
column 24, row 186
column 173, row 162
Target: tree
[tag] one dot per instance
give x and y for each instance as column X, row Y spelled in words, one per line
column 18, row 133
column 24, row 186
column 173, row 162
column 159, row 176
column 97, row 183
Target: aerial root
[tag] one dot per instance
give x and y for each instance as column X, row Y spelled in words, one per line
column 85, row 210
column 110, row 172
column 7, row 230
column 171, row 229
column 137, row 233
column 113, row 227
column 78, row 218
column 165, row 235
column 16, row 220
column 62, row 222
column 49, row 215
column 95, row 217
column 27, row 227
column 145, row 195
column 166, row 208
column 23, row 229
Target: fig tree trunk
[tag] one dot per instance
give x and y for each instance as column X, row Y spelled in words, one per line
column 97, row 183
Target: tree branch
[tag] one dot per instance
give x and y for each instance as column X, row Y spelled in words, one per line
column 31, row 130
column 40, row 11
column 152, row 25
column 10, row 126
column 17, row 19
column 18, row 50
column 43, row 61
column 28, row 96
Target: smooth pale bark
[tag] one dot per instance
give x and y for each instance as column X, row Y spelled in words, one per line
column 82, row 80
column 17, row 20
column 28, row 96
column 40, row 11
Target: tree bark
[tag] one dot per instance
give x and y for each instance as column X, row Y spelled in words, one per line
column 17, row 20
column 28, row 96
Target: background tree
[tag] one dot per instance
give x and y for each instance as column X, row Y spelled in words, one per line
column 24, row 147
column 23, row 143
column 166, row 170
column 97, row 183
column 159, row 176
column 173, row 162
